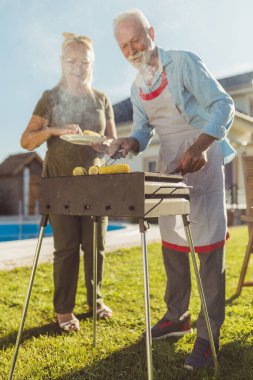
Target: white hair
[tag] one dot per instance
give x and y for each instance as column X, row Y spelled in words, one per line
column 132, row 13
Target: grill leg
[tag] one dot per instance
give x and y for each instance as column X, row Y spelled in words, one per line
column 43, row 224
column 146, row 296
column 95, row 229
column 200, row 289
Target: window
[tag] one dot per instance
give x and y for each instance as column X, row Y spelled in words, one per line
column 151, row 166
column 251, row 106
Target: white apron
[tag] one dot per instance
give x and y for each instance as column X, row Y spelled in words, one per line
column 207, row 199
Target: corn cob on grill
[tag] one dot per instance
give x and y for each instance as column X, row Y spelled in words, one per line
column 79, row 170
column 93, row 170
column 109, row 169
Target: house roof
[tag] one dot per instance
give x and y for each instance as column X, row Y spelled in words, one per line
column 123, row 111
column 15, row 163
column 240, row 80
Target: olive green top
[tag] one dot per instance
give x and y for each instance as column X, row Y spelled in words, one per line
column 90, row 112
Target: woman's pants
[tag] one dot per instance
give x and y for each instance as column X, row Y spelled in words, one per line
column 69, row 233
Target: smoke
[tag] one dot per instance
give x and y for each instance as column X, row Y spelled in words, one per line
column 41, row 50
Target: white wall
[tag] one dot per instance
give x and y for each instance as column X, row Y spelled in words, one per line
column 138, row 163
column 242, row 103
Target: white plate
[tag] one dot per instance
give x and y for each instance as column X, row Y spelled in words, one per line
column 83, row 139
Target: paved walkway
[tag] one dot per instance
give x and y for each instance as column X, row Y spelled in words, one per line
column 21, row 253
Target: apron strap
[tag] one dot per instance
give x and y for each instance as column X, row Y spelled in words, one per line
column 157, row 92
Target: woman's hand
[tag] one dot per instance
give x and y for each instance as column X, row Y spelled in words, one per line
column 39, row 130
column 66, row 129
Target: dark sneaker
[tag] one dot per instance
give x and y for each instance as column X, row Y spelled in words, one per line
column 201, row 355
column 166, row 328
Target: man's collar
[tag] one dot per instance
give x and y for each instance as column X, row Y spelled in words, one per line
column 163, row 59
column 164, row 56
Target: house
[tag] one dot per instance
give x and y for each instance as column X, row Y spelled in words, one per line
column 19, row 184
column 240, row 87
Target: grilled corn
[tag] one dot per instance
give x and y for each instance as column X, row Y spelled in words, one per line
column 79, row 170
column 109, row 169
column 93, row 170
column 90, row 133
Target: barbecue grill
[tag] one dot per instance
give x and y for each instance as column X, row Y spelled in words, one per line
column 138, row 195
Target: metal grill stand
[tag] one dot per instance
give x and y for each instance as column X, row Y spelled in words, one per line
column 157, row 195
column 43, row 225
column 200, row 290
column 143, row 229
column 146, row 298
column 95, row 267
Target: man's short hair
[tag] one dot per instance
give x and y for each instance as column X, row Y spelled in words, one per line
column 132, row 13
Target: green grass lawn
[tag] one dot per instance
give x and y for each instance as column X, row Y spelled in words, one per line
column 46, row 353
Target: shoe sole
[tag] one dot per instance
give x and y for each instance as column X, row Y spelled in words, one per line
column 186, row 366
column 189, row 367
column 178, row 333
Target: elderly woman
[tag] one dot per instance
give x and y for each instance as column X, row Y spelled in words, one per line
column 69, row 108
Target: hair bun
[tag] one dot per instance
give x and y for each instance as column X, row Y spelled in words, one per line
column 76, row 37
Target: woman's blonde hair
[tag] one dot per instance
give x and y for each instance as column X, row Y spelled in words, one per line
column 71, row 37
column 86, row 41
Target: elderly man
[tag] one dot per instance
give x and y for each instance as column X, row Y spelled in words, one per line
column 175, row 96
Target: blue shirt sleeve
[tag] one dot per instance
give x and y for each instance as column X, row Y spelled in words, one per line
column 142, row 130
column 210, row 95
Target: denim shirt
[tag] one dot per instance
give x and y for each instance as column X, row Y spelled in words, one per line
column 198, row 96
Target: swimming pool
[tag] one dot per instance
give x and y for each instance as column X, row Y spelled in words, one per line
column 21, row 231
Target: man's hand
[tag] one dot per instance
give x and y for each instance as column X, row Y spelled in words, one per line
column 191, row 161
column 195, row 157
column 102, row 147
column 122, row 146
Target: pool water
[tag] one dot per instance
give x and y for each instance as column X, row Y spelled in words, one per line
column 12, row 231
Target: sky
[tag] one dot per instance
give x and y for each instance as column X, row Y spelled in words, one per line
column 219, row 31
